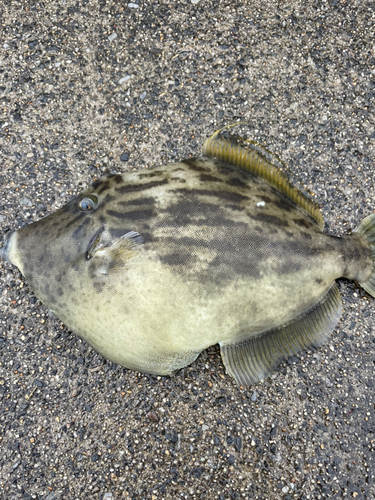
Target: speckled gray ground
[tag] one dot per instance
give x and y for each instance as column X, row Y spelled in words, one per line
column 95, row 86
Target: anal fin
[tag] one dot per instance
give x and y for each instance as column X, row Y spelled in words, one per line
column 253, row 360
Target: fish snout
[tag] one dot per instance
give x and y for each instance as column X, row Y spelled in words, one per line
column 4, row 251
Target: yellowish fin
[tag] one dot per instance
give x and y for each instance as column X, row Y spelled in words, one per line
column 116, row 256
column 257, row 160
column 255, row 359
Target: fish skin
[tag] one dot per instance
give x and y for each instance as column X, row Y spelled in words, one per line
column 224, row 257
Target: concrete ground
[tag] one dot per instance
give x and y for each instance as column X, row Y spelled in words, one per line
column 100, row 86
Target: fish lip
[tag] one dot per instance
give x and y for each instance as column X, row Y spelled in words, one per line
column 4, row 252
column 94, row 241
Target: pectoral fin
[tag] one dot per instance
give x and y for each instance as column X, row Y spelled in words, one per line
column 108, row 259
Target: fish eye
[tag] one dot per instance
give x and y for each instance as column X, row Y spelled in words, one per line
column 88, row 203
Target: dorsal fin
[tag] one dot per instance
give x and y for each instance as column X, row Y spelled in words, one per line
column 255, row 159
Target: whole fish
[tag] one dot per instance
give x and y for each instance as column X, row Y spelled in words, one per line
column 153, row 266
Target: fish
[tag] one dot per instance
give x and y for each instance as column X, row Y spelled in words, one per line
column 151, row 267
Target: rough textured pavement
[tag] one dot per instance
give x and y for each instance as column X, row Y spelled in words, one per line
column 101, row 86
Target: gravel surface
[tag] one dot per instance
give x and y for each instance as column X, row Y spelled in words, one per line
column 91, row 87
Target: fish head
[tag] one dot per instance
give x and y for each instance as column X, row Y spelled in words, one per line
column 57, row 252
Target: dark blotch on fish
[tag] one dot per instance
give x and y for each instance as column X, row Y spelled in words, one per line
column 224, row 250
column 178, row 259
column 209, row 178
column 307, row 236
column 232, row 207
column 73, row 221
column 104, row 187
column 221, row 195
column 193, row 166
column 150, row 174
column 227, row 170
column 191, row 209
column 236, row 182
column 148, row 237
column 271, row 219
column 97, row 183
column 78, row 232
column 266, row 199
column 118, row 179
column 289, row 267
column 302, row 222
column 150, row 200
column 131, row 188
column 118, row 232
column 133, row 215
column 284, row 205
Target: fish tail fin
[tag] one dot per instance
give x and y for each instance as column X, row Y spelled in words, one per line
column 367, row 230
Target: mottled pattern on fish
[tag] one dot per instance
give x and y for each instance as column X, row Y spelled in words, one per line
column 180, row 257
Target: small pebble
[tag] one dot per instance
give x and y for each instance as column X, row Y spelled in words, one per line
column 26, row 202
column 254, row 396
column 153, row 416
column 112, row 37
column 328, row 382
column 125, row 79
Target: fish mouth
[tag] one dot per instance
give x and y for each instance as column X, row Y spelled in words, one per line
column 4, row 252
column 93, row 243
